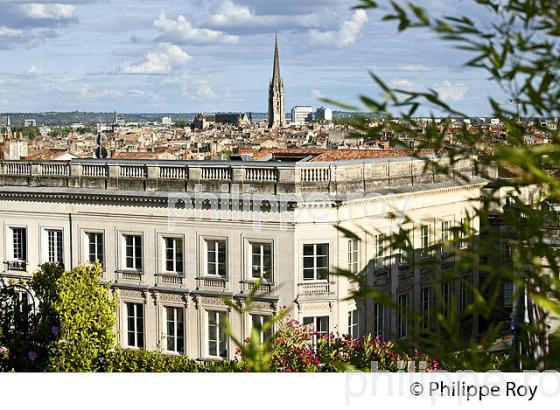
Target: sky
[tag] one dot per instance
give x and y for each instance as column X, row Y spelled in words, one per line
column 216, row 55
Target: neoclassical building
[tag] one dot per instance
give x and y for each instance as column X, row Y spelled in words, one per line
column 175, row 237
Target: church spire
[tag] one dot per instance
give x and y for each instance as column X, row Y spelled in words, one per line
column 276, row 102
column 276, row 70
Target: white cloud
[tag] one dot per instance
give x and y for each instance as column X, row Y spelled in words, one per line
column 413, row 68
column 181, row 31
column 316, row 94
column 42, row 11
column 405, row 84
column 190, row 86
column 231, row 15
column 167, row 60
column 33, row 71
column 345, row 36
column 449, row 91
column 10, row 32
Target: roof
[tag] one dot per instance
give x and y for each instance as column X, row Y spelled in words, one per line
column 141, row 155
column 321, row 155
column 49, row 154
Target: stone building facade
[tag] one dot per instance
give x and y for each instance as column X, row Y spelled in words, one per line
column 174, row 237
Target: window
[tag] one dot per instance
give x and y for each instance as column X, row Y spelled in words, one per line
column 174, row 330
column 445, row 235
column 508, row 290
column 380, row 251
column 258, row 322
column 425, row 299
column 425, row 239
column 173, row 261
column 216, row 258
column 445, row 232
column 463, row 234
column 217, row 339
column 353, row 256
column 445, row 300
column 402, row 317
column 315, row 261
column 19, row 241
column 133, row 252
column 507, row 250
column 135, row 325
column 379, row 319
column 261, row 260
column 319, row 325
column 95, row 247
column 353, row 323
column 54, row 243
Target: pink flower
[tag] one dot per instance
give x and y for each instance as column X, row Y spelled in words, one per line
column 3, row 349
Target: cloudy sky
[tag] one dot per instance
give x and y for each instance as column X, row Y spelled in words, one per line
column 215, row 55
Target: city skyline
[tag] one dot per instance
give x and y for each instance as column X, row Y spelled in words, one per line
column 196, row 56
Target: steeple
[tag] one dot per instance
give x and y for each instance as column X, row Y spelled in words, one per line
column 276, row 78
column 276, row 102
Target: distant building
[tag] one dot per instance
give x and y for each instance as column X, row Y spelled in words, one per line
column 203, row 121
column 50, row 155
column 301, row 114
column 276, row 98
column 12, row 146
column 29, row 122
column 166, row 121
column 323, row 114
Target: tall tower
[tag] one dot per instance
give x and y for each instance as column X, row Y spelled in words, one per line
column 276, row 102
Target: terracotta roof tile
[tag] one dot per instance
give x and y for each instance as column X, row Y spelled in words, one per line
column 340, row 154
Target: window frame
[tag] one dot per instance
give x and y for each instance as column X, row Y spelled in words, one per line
column 353, row 323
column 316, row 327
column 262, row 318
column 353, row 255
column 425, row 239
column 124, row 248
column 163, row 265
column 250, row 255
column 178, row 329
column 221, row 336
column 55, row 245
column 206, row 262
column 139, row 342
column 88, row 244
column 24, row 242
column 315, row 257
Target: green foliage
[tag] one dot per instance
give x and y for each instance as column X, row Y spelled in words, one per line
column 86, row 311
column 70, row 329
column 181, row 124
column 520, row 52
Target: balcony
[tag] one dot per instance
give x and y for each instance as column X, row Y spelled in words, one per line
column 217, row 284
column 264, row 287
column 134, row 277
column 322, row 289
column 16, row 265
column 169, row 280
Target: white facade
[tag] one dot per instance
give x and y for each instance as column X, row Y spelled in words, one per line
column 324, row 114
column 171, row 265
column 301, row 114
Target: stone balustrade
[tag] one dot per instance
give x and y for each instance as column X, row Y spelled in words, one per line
column 339, row 177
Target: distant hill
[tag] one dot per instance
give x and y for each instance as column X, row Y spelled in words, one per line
column 92, row 118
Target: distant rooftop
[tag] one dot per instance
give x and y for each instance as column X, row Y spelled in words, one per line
column 329, row 155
